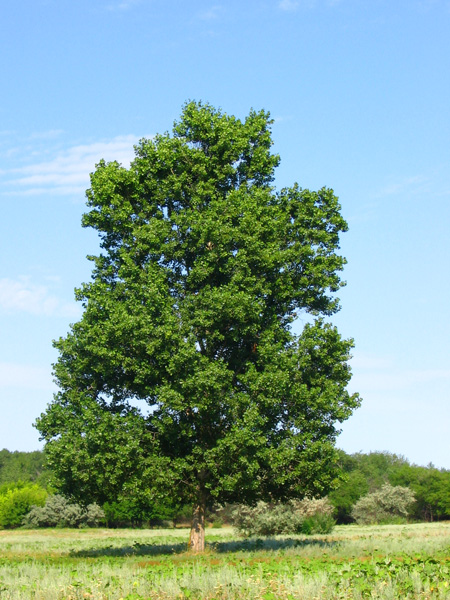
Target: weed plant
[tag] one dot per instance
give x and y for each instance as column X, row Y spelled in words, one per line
column 378, row 562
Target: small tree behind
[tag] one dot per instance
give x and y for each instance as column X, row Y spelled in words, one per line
column 308, row 516
column 389, row 504
column 58, row 512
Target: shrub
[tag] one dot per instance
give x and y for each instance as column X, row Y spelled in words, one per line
column 389, row 504
column 93, row 515
column 16, row 500
column 318, row 524
column 217, row 524
column 140, row 510
column 58, row 512
column 306, row 516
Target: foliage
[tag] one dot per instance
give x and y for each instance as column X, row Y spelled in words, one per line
column 389, row 504
column 16, row 500
column 431, row 488
column 23, row 466
column 378, row 467
column 131, row 511
column 347, row 494
column 364, row 473
column 309, row 516
column 318, row 524
column 360, row 474
column 58, row 512
column 203, row 271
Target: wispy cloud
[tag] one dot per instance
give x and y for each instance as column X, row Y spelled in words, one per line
column 67, row 171
column 396, row 381
column 123, row 5
column 212, row 13
column 427, row 5
column 408, row 184
column 25, row 376
column 283, row 118
column 289, row 5
column 46, row 135
column 21, row 295
column 365, row 361
column 374, row 374
column 293, row 5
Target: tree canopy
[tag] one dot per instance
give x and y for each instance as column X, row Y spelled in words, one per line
column 183, row 377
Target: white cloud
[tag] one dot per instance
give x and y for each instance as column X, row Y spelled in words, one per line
column 21, row 295
column 408, row 184
column 365, row 361
column 293, row 5
column 123, row 5
column 396, row 380
column 427, row 5
column 374, row 374
column 399, row 408
column 212, row 13
column 288, row 5
column 46, row 135
column 68, row 172
column 25, row 376
column 282, row 119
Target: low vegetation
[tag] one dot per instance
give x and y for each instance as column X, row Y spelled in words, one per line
column 308, row 516
column 260, row 560
column 365, row 475
column 389, row 504
column 59, row 512
column 16, row 500
column 354, row 562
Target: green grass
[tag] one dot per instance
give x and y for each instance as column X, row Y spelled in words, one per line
column 384, row 562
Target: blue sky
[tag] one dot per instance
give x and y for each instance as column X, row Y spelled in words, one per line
column 359, row 91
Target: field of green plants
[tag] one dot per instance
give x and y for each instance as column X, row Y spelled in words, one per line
column 396, row 561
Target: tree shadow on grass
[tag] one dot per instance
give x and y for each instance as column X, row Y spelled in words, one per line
column 268, row 544
column 136, row 549
column 245, row 545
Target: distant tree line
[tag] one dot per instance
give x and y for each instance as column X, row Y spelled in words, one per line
column 375, row 487
column 23, row 466
column 29, row 496
column 367, row 473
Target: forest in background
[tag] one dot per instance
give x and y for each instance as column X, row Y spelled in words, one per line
column 362, row 474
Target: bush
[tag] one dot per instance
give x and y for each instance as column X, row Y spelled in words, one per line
column 94, row 515
column 308, row 516
column 318, row 524
column 389, row 504
column 16, row 500
column 140, row 509
column 217, row 524
column 58, row 512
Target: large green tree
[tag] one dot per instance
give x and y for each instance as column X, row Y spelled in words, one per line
column 183, row 377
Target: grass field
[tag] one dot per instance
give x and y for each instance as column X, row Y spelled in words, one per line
column 384, row 562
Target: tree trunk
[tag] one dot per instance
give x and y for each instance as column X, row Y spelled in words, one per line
column 197, row 536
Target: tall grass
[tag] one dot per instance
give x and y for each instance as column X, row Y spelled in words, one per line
column 354, row 562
